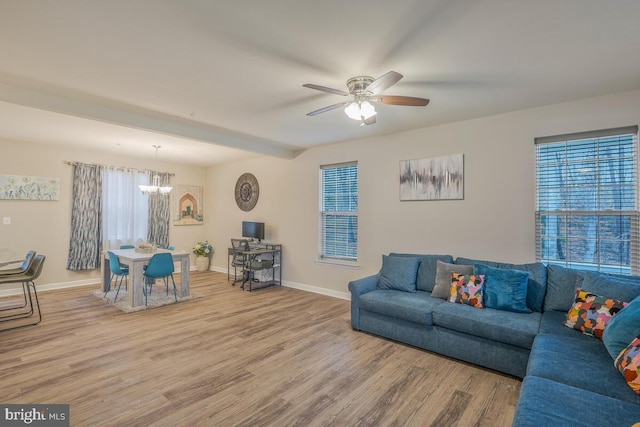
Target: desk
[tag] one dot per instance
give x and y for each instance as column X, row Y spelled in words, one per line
column 136, row 261
column 266, row 251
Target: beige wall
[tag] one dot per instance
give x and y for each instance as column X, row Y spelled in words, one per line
column 44, row 225
column 495, row 220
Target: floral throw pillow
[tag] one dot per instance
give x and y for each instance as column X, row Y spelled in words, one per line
column 590, row 313
column 466, row 289
column 628, row 363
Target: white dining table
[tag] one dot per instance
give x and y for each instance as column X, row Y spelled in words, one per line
column 136, row 262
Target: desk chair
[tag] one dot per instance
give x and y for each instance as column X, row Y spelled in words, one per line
column 160, row 267
column 27, row 280
column 238, row 259
column 118, row 271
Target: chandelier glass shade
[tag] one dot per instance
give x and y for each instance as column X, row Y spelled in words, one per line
column 155, row 187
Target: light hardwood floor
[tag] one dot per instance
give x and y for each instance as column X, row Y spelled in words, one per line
column 274, row 357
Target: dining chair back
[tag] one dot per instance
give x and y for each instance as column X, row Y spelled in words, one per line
column 160, row 267
column 118, row 270
column 171, row 248
column 28, row 282
column 28, row 259
column 127, row 246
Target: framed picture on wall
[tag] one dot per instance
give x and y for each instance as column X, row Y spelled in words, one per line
column 20, row 187
column 438, row 178
column 187, row 206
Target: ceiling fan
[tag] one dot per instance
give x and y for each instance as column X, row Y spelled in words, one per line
column 363, row 91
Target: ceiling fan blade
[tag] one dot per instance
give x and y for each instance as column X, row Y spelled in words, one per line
column 401, row 100
column 326, row 89
column 329, row 108
column 384, row 82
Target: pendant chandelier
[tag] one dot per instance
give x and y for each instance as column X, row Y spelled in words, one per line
column 155, row 188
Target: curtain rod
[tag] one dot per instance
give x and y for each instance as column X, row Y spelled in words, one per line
column 120, row 168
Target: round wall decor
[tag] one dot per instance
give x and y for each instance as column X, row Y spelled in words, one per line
column 247, row 191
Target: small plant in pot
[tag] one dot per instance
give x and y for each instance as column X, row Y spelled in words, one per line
column 202, row 251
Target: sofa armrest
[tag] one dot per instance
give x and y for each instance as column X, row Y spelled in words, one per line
column 360, row 287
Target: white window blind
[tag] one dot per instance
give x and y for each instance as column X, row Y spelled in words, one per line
column 587, row 200
column 339, row 212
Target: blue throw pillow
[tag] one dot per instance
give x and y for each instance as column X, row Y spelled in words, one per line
column 537, row 286
column 623, row 328
column 398, row 273
column 504, row 289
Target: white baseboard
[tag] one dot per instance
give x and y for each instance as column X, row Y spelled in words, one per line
column 317, row 290
column 96, row 281
column 302, row 287
column 51, row 286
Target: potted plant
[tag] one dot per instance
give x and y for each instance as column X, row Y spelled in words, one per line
column 202, row 251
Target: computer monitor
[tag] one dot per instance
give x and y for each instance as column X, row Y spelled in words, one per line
column 253, row 230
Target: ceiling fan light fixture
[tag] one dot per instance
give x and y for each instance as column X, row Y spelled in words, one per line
column 366, row 110
column 353, row 111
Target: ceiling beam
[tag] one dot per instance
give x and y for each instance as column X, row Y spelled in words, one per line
column 106, row 111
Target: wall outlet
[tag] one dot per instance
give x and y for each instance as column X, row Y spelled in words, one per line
column 6, row 220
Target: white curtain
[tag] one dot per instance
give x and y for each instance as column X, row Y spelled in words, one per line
column 125, row 208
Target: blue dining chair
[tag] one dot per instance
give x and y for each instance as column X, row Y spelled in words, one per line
column 119, row 272
column 122, row 265
column 171, row 248
column 160, row 267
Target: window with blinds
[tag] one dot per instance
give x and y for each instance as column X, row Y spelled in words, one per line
column 587, row 200
column 339, row 212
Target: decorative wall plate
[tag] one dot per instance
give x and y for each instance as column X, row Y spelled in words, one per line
column 247, row 191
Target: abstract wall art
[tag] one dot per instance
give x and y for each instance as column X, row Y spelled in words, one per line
column 20, row 187
column 188, row 205
column 438, row 178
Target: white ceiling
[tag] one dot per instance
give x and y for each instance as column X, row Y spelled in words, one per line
column 214, row 80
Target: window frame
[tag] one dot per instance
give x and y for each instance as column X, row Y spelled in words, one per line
column 350, row 257
column 566, row 216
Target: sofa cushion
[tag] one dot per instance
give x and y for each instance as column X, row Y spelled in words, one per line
column 398, row 273
column 427, row 270
column 546, row 403
column 415, row 307
column 590, row 313
column 561, row 287
column 623, row 288
column 628, row 363
column 504, row 289
column 562, row 283
column 442, row 288
column 466, row 289
column 518, row 329
column 552, row 323
column 585, row 364
column 623, row 328
column 537, row 286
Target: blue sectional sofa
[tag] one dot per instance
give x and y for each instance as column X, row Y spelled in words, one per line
column 568, row 378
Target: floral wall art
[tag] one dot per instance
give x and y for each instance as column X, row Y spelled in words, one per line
column 20, row 187
column 438, row 178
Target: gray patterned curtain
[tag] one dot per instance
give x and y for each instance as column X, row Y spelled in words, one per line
column 85, row 245
column 158, row 228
